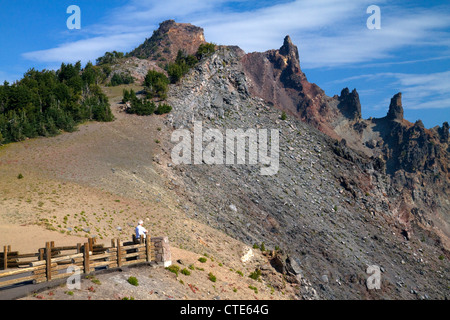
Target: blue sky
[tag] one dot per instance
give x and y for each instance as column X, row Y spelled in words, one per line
column 409, row 54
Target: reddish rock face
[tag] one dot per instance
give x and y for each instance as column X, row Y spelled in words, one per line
column 276, row 76
column 166, row 41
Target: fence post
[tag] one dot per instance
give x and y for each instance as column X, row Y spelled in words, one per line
column 41, row 254
column 48, row 258
column 91, row 244
column 86, row 259
column 119, row 253
column 147, row 248
column 5, row 257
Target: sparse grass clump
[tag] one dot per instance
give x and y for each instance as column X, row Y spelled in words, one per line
column 133, row 281
column 255, row 275
column 174, row 269
column 254, row 289
column 212, row 277
column 186, row 272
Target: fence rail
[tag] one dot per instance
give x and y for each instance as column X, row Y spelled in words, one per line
column 51, row 263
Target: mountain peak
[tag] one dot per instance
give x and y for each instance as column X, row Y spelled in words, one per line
column 349, row 104
column 395, row 108
column 168, row 39
column 289, row 49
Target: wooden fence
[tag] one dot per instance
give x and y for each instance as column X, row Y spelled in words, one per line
column 52, row 263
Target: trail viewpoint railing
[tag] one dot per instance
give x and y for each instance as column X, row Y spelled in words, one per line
column 52, row 263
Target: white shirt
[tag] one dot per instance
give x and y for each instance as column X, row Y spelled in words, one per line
column 140, row 230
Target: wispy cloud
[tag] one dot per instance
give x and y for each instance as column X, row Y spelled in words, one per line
column 86, row 49
column 329, row 33
column 419, row 91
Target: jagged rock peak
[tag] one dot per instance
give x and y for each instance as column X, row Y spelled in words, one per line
column 444, row 132
column 349, row 104
column 289, row 49
column 395, row 108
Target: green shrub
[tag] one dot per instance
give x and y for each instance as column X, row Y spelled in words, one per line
column 126, row 95
column 212, row 277
column 283, row 116
column 120, row 78
column 254, row 289
column 205, row 49
column 181, row 66
column 202, row 259
column 156, row 84
column 110, row 58
column 255, row 274
column 263, row 247
column 141, row 107
column 133, row 281
column 163, row 109
column 174, row 269
column 186, row 272
column 20, row 176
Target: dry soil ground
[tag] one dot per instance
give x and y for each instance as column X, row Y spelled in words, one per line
column 99, row 181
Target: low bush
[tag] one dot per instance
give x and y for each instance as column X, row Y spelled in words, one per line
column 174, row 269
column 186, row 272
column 255, row 275
column 212, row 277
column 133, row 281
column 163, row 109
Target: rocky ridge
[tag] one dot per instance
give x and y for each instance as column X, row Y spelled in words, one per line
column 349, row 192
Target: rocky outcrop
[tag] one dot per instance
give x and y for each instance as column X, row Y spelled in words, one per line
column 395, row 108
column 444, row 133
column 334, row 209
column 166, row 41
column 276, row 77
column 349, row 104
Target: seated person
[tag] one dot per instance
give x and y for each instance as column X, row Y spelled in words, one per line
column 141, row 231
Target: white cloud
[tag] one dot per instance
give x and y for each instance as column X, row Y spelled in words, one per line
column 87, row 49
column 329, row 33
